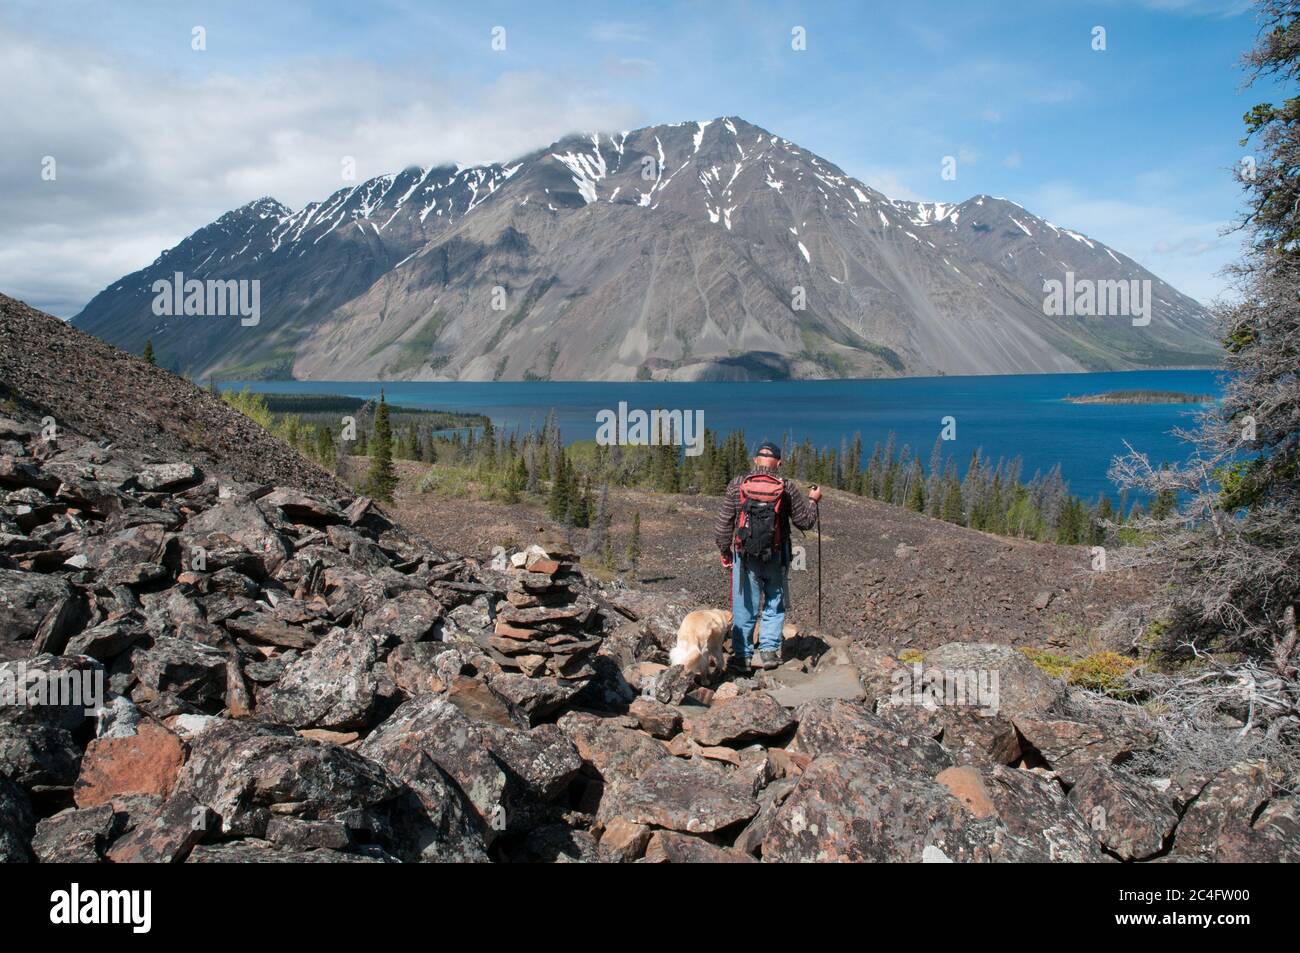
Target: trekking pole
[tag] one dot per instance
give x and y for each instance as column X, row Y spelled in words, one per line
column 819, row 561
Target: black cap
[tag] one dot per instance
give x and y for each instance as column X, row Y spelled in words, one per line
column 767, row 447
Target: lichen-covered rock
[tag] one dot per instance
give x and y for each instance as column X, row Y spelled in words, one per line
column 243, row 772
column 1129, row 817
column 166, row 477
column 613, row 749
column 25, row 598
column 755, row 715
column 243, row 522
column 76, row 836
column 845, row 808
column 1071, row 747
column 692, row 796
column 837, row 725
column 410, row 617
column 17, row 824
column 1039, row 823
column 1232, row 820
column 330, row 686
column 255, row 851
column 532, row 699
column 1022, row 688
column 36, row 754
column 506, row 773
column 61, row 691
column 175, row 676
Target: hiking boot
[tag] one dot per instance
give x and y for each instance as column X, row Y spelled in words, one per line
column 768, row 660
column 739, row 666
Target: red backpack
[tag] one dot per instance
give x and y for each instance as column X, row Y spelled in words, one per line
column 758, row 525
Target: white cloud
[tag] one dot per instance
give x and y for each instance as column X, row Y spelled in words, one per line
column 146, row 157
column 618, row 32
column 1186, row 250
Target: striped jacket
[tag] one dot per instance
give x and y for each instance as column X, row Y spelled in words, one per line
column 799, row 510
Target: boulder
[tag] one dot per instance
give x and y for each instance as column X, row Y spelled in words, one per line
column 38, row 754
column 656, row 718
column 1021, row 687
column 75, row 836
column 246, row 772
column 845, row 808
column 613, row 749
column 109, row 639
column 837, row 725
column 410, row 617
column 175, row 676
column 506, row 773
column 167, row 477
column 165, row 837
column 622, row 841
column 62, row 691
column 1129, row 817
column 17, row 824
column 255, row 851
column 332, row 686
column 146, row 762
column 530, row 700
column 751, row 716
column 671, row 847
column 1037, row 823
column 1071, row 747
column 1234, row 819
column 243, row 522
column 25, row 599
column 691, row 796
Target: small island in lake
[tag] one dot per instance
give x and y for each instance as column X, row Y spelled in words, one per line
column 1141, row 397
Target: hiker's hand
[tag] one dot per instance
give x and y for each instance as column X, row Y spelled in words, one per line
column 726, row 559
column 815, row 493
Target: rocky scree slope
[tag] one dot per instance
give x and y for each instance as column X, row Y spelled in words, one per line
column 313, row 683
column 670, row 252
column 49, row 369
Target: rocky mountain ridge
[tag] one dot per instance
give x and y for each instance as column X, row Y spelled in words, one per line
column 709, row 250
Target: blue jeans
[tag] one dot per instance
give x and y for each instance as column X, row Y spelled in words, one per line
column 757, row 587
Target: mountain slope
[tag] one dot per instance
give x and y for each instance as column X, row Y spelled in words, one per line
column 695, row 250
column 87, row 387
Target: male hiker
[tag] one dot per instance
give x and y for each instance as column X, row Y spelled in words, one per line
column 753, row 532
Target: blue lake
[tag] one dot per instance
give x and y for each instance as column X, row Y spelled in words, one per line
column 1016, row 415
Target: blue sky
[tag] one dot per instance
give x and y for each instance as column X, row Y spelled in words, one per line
column 1132, row 145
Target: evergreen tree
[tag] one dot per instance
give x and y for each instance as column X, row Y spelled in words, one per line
column 916, row 492
column 579, row 502
column 599, row 523
column 148, row 353
column 381, row 479
column 558, row 502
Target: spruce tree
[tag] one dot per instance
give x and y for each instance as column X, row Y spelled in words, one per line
column 381, row 479
column 148, row 353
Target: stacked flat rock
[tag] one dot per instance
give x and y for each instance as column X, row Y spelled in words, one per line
column 545, row 625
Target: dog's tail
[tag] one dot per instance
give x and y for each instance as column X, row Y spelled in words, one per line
column 684, row 655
